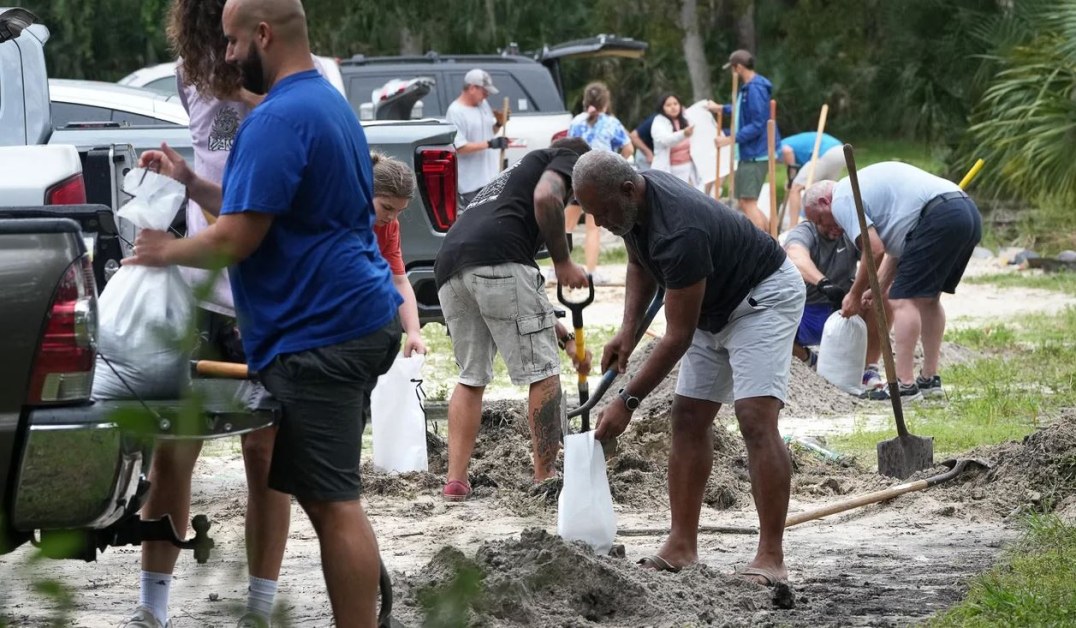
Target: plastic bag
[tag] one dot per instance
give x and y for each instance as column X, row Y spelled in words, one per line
column 399, row 422
column 585, row 511
column 843, row 351
column 144, row 313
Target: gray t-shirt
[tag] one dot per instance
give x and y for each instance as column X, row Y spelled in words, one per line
column 835, row 258
column 893, row 195
column 474, row 124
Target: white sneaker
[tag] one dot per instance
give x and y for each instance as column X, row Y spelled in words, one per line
column 143, row 617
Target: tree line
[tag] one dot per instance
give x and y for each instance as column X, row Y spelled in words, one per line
column 943, row 72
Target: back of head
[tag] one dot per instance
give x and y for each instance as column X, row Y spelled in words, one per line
column 577, row 145
column 286, row 17
column 603, row 170
column 392, row 177
column 596, row 98
column 196, row 37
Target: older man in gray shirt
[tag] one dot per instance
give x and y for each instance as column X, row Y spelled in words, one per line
column 923, row 229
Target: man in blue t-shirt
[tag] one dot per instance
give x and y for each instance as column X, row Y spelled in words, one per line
column 314, row 297
column 796, row 153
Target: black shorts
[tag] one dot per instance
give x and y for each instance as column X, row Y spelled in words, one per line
column 937, row 251
column 325, row 394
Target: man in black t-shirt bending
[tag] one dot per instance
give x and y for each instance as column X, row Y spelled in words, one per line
column 493, row 298
column 732, row 306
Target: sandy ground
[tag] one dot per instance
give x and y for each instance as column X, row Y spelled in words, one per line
column 888, row 564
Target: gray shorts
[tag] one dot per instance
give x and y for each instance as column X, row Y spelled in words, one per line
column 752, row 355
column 750, row 177
column 501, row 308
column 830, row 164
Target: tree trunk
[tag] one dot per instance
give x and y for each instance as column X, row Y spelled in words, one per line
column 410, row 42
column 694, row 51
column 745, row 28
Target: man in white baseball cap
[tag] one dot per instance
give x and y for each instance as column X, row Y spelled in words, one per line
column 477, row 125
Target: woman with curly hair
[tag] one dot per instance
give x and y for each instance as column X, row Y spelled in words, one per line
column 213, row 94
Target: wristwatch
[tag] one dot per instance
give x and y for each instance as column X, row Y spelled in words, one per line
column 630, row 402
column 563, row 342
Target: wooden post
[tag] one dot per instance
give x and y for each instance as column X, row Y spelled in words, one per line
column 717, row 180
column 504, row 133
column 771, row 132
column 732, row 131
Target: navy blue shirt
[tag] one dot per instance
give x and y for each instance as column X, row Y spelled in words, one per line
column 318, row 278
column 644, row 131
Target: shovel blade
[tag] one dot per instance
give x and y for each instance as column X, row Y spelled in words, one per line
column 902, row 456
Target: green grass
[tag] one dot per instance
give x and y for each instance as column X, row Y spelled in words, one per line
column 1028, row 373
column 1033, row 587
column 872, row 150
column 1060, row 282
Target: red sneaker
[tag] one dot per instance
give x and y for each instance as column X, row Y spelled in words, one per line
column 456, row 491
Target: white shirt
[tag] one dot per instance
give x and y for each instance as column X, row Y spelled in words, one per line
column 474, row 124
column 894, row 194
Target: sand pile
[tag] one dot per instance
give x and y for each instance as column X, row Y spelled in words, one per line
column 539, row 580
column 1037, row 474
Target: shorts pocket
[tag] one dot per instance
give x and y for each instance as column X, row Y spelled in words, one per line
column 537, row 344
column 496, row 296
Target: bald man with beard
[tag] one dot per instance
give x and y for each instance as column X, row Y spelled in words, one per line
column 314, row 297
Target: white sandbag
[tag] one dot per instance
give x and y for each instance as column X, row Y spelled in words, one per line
column 145, row 313
column 585, row 511
column 843, row 351
column 399, row 425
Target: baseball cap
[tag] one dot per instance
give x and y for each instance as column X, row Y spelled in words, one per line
column 480, row 78
column 740, row 57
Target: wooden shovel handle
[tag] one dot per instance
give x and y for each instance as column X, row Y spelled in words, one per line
column 876, row 288
column 856, row 502
column 229, row 370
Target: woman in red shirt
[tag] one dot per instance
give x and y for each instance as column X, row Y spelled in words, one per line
column 394, row 185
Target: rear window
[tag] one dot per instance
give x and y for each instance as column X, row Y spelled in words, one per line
column 360, row 88
column 64, row 113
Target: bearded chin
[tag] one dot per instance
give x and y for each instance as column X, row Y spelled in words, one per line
column 253, row 72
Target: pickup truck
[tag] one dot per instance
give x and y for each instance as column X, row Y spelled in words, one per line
column 72, row 468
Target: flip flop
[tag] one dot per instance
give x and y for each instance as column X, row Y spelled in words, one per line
column 657, row 563
column 770, row 578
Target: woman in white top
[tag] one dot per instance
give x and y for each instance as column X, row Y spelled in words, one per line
column 672, row 140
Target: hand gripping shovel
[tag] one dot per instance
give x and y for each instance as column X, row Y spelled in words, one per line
column 580, row 341
column 904, row 455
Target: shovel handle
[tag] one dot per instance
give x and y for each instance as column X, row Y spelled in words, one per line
column 876, row 288
column 227, row 370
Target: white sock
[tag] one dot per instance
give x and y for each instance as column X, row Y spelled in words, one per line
column 260, row 597
column 153, row 594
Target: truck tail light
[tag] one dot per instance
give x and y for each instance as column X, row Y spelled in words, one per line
column 63, row 369
column 559, row 135
column 70, row 191
column 438, row 168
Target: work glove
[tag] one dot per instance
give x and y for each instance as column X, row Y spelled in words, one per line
column 833, row 292
column 499, row 143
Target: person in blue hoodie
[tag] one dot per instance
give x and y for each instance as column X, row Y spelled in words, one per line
column 750, row 138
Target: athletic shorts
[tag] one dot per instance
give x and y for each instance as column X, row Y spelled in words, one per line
column 752, row 355
column 937, row 250
column 813, row 321
column 325, row 397
column 750, row 177
column 830, row 164
column 501, row 308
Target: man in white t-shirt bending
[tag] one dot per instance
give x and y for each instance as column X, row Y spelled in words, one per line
column 476, row 127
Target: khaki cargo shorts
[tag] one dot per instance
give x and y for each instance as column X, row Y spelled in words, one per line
column 500, row 308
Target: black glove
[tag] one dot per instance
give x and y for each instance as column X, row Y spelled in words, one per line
column 500, row 142
column 834, row 293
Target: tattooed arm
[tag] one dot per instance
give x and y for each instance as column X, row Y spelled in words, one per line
column 549, row 197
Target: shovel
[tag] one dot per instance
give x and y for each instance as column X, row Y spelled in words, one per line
column 580, row 341
column 904, row 455
column 956, row 467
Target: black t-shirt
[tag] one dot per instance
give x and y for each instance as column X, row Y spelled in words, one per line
column 689, row 236
column 499, row 225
